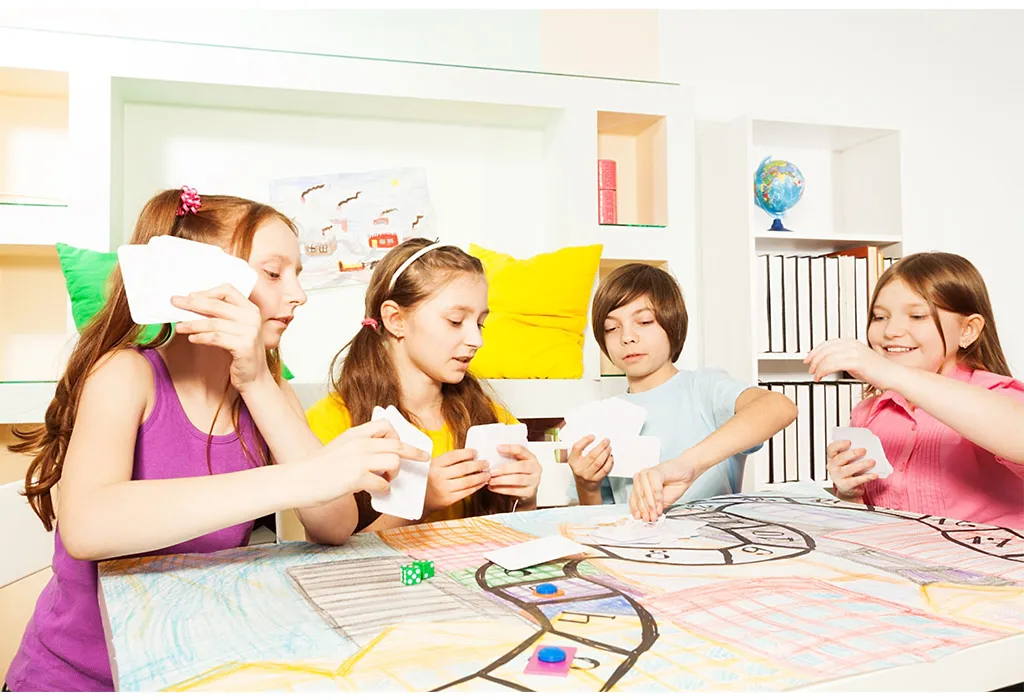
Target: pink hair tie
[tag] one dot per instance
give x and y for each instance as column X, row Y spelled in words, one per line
column 190, row 201
column 371, row 322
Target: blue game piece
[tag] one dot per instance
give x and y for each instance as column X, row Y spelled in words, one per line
column 547, row 589
column 551, row 655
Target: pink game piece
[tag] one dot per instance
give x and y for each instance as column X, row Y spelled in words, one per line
column 606, row 174
column 537, row 667
column 607, row 210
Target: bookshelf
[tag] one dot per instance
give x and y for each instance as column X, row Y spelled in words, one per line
column 756, row 278
column 511, row 158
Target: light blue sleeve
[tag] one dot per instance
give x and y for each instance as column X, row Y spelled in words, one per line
column 607, row 497
column 717, row 392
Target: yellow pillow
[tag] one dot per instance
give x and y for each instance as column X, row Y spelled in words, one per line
column 538, row 313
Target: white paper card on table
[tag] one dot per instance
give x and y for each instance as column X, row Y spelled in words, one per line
column 539, row 551
column 153, row 273
column 864, row 438
column 409, row 487
column 661, row 532
column 486, row 438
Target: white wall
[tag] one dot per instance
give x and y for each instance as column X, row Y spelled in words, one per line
column 218, row 150
column 950, row 80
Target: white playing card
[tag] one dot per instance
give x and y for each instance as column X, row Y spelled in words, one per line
column 606, row 418
column 154, row 273
column 193, row 261
column 862, row 437
column 630, row 455
column 175, row 245
column 486, row 438
column 620, row 422
column 539, row 551
column 409, row 488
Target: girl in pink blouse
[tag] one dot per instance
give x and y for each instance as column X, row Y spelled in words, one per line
column 940, row 398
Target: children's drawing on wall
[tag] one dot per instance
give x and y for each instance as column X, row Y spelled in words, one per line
column 348, row 221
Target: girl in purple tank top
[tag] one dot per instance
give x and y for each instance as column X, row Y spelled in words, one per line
column 154, row 442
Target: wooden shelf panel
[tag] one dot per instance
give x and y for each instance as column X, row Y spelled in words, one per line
column 637, row 144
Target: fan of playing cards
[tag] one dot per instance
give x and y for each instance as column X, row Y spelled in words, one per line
column 169, row 266
column 409, row 488
column 621, row 422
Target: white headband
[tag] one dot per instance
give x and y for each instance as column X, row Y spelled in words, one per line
column 413, row 258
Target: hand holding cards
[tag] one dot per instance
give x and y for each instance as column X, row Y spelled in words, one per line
column 169, row 266
column 486, row 438
column 864, row 438
column 409, row 488
column 621, row 422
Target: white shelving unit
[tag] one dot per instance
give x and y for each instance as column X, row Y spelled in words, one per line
column 511, row 159
column 34, row 188
column 852, row 198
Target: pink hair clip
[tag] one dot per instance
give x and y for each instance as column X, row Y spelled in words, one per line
column 190, row 201
column 371, row 322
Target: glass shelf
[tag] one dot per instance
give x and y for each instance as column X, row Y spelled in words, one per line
column 37, row 203
column 331, row 54
column 632, row 225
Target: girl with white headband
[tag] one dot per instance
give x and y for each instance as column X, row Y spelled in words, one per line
column 425, row 307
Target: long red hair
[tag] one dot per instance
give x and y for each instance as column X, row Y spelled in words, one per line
column 230, row 222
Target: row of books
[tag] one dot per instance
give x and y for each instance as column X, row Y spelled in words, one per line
column 798, row 452
column 810, row 299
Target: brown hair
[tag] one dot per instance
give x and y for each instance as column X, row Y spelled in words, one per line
column 364, row 375
column 628, row 283
column 220, row 219
column 950, row 282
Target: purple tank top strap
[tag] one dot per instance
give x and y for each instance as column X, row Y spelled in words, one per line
column 164, row 395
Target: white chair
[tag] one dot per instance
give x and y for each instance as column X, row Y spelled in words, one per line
column 25, row 557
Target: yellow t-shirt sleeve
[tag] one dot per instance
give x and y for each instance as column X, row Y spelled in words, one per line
column 328, row 418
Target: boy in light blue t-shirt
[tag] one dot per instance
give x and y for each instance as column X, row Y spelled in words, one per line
column 706, row 420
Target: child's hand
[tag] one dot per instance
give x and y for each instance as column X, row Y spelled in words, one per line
column 846, row 472
column 233, row 323
column 364, row 458
column 854, row 357
column 519, row 479
column 592, row 468
column 453, row 476
column 657, row 486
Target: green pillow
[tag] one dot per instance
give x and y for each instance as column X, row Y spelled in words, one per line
column 85, row 274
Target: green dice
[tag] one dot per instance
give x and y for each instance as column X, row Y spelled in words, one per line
column 411, row 574
column 417, row 572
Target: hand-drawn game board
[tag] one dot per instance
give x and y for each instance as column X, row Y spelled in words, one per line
column 774, row 592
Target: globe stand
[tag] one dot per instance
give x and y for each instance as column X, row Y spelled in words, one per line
column 777, row 226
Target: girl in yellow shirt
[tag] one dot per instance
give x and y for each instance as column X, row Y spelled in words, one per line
column 425, row 307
